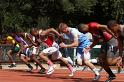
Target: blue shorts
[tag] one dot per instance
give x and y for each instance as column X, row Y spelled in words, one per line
column 85, row 43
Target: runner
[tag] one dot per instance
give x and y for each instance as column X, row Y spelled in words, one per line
column 35, row 51
column 12, row 51
column 48, row 38
column 119, row 32
column 23, row 52
column 80, row 41
column 100, row 33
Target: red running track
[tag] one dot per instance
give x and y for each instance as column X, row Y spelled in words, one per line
column 57, row 76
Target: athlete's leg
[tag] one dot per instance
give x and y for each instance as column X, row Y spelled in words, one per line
column 13, row 64
column 57, row 55
column 23, row 58
column 43, row 56
column 69, row 66
column 114, row 61
column 93, row 68
column 84, row 58
column 104, row 62
column 38, row 63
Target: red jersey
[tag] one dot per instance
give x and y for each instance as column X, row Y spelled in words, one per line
column 94, row 30
column 49, row 41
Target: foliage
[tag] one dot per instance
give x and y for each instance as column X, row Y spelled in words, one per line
column 22, row 15
column 109, row 9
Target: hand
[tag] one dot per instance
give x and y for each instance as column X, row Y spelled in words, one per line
column 60, row 36
column 24, row 47
column 86, row 50
column 62, row 45
column 18, row 54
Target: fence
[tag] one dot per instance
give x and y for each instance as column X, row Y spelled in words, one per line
column 3, row 52
column 4, row 48
column 65, row 51
column 71, row 52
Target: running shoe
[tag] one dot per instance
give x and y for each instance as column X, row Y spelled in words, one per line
column 100, row 69
column 72, row 73
column 30, row 69
column 110, row 78
column 85, row 67
column 96, row 78
column 119, row 70
column 42, row 71
column 12, row 65
column 50, row 70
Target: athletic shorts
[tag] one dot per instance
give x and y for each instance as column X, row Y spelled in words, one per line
column 81, row 56
column 15, row 49
column 35, row 50
column 109, row 48
column 56, row 54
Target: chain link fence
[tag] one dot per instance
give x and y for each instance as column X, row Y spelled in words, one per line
column 4, row 48
column 65, row 51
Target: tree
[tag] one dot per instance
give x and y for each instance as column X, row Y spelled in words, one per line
column 109, row 9
column 22, row 15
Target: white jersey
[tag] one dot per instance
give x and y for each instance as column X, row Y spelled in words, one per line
column 72, row 33
column 75, row 35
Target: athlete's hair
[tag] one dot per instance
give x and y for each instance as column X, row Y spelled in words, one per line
column 111, row 23
column 80, row 26
column 33, row 31
column 61, row 25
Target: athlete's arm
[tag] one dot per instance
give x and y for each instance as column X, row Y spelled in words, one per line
column 104, row 27
column 28, row 46
column 73, row 44
column 34, row 43
column 95, row 41
column 47, row 31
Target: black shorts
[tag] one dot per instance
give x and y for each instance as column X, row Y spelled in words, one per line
column 109, row 48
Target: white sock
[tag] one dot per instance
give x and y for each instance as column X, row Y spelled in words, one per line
column 13, row 63
column 93, row 60
column 70, row 60
column 95, row 71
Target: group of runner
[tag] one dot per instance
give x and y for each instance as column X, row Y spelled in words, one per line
column 111, row 37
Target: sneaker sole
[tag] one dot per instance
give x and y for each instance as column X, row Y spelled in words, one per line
column 49, row 73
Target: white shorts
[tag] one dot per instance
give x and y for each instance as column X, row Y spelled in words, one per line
column 56, row 54
column 83, row 57
column 35, row 50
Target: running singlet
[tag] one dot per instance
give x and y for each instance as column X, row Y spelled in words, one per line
column 47, row 40
column 94, row 30
column 20, row 40
column 12, row 41
column 82, row 39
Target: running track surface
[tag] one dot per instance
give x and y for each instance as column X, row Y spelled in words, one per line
column 60, row 75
